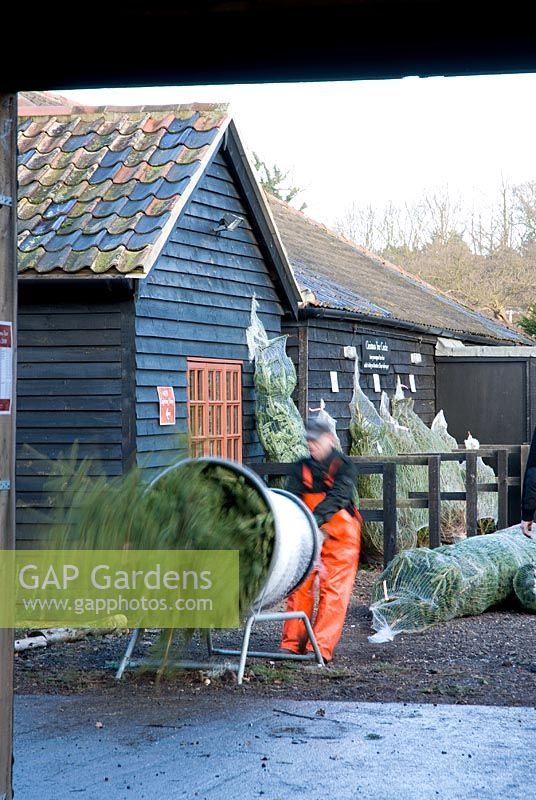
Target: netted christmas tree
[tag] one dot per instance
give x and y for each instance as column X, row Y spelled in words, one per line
column 279, row 424
column 422, row 587
column 424, row 440
column 525, row 586
column 374, row 434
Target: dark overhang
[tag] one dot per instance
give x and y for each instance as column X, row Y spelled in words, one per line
column 252, row 41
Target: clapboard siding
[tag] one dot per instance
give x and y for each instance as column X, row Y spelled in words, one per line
column 196, row 302
column 71, row 387
column 325, row 349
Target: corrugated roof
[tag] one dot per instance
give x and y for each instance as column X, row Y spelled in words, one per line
column 347, row 277
column 101, row 188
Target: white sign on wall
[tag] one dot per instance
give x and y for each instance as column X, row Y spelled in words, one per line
column 6, row 367
column 334, row 381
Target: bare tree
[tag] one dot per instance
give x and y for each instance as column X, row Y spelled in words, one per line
column 360, row 225
column 485, row 257
column 506, row 229
column 525, row 211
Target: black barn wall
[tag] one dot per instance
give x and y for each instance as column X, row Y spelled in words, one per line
column 73, row 386
column 327, row 338
column 493, row 398
column 196, row 302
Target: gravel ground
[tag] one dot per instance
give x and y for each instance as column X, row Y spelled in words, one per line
column 472, row 660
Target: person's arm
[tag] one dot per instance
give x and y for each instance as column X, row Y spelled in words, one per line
column 294, row 483
column 528, row 493
column 338, row 496
column 528, row 501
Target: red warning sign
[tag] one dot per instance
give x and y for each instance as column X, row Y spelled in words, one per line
column 166, row 396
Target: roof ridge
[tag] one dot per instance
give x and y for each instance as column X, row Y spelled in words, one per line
column 30, row 110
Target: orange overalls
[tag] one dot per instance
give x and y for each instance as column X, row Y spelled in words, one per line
column 336, row 572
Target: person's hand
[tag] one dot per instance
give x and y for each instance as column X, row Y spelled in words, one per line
column 526, row 527
column 324, row 533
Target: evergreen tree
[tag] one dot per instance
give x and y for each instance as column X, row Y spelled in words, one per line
column 528, row 322
column 272, row 178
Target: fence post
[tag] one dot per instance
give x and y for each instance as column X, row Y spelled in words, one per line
column 471, row 495
column 389, row 512
column 524, row 457
column 502, row 487
column 434, row 500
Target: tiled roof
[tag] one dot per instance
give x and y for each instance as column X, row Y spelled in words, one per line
column 101, row 188
column 42, row 99
column 341, row 275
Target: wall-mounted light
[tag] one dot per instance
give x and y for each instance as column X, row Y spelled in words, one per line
column 229, row 222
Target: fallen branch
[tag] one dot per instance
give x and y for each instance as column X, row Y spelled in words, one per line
column 306, row 716
column 42, row 638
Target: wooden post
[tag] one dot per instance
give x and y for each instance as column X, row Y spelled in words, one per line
column 303, row 370
column 389, row 512
column 524, row 456
column 471, row 494
column 8, row 313
column 434, row 500
column 502, row 488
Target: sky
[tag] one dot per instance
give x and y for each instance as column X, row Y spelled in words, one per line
column 375, row 142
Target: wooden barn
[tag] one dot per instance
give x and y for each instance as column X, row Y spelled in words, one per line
column 481, row 372
column 143, row 234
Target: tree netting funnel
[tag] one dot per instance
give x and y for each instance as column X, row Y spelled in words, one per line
column 277, row 536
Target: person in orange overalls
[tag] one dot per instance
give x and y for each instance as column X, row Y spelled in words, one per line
column 325, row 482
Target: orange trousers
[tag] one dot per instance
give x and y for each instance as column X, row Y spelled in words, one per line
column 336, row 574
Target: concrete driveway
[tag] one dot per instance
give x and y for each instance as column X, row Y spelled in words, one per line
column 240, row 748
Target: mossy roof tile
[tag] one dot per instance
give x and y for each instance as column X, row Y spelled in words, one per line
column 97, row 186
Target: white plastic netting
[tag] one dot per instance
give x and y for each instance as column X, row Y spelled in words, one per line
column 525, row 586
column 400, row 431
column 487, row 501
column 425, row 440
column 374, row 434
column 421, row 587
column 323, row 416
column 279, row 424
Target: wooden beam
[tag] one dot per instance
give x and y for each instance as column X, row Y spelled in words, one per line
column 434, row 500
column 502, row 486
column 303, row 370
column 524, row 458
column 389, row 513
column 8, row 313
column 471, row 494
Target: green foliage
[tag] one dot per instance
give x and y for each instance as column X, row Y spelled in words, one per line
column 528, row 322
column 272, row 180
column 193, row 506
column 421, row 587
column 525, row 586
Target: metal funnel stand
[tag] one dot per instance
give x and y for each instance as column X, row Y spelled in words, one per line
column 296, row 549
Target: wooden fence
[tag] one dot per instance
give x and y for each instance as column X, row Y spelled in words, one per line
column 508, row 462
